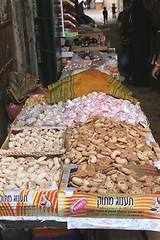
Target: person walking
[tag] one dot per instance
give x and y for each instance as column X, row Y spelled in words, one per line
column 105, row 15
column 114, row 10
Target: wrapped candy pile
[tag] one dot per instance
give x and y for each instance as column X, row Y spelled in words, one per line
column 80, row 109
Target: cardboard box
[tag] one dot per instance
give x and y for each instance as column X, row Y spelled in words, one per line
column 26, row 199
column 28, row 203
column 81, row 204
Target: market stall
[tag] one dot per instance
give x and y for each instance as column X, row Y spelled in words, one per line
column 82, row 155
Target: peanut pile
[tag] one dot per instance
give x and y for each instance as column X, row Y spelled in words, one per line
column 103, row 148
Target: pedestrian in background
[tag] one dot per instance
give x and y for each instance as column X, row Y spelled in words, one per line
column 156, row 68
column 114, row 10
column 105, row 15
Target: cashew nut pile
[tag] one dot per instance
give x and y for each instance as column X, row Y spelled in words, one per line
column 103, row 148
column 37, row 140
column 29, row 173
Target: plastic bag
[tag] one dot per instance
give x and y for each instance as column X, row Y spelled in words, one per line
column 19, row 85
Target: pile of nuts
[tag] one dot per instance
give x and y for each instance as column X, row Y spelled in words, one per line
column 37, row 140
column 101, row 138
column 103, row 148
column 112, row 178
column 29, row 173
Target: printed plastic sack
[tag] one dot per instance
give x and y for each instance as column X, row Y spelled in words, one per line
column 19, row 85
column 86, row 82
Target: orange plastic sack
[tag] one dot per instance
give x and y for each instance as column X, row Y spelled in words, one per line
column 86, row 82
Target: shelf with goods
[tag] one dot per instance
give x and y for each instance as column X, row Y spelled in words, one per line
column 91, row 42
column 71, row 29
column 95, row 32
column 90, row 39
column 67, row 16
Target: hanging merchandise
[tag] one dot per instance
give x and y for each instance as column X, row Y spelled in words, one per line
column 67, row 17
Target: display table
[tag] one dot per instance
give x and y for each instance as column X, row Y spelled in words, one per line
column 114, row 213
column 82, row 223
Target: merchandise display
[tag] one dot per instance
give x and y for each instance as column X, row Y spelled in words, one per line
column 105, row 62
column 67, row 16
column 93, row 200
column 90, row 41
column 114, row 171
column 35, row 141
column 21, row 173
column 82, row 152
column 79, row 109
